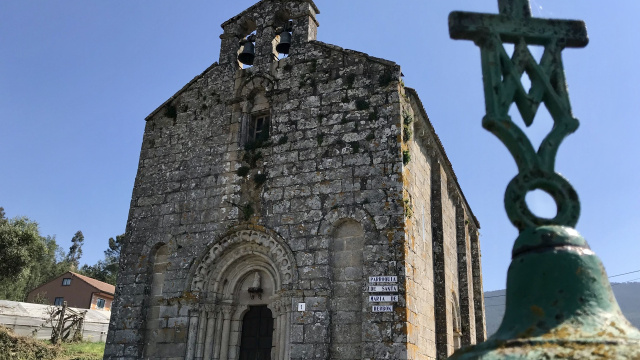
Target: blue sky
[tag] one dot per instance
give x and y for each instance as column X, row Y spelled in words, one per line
column 78, row 77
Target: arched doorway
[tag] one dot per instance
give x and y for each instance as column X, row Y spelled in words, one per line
column 257, row 333
column 242, row 281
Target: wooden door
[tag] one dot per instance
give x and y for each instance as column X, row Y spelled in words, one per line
column 257, row 333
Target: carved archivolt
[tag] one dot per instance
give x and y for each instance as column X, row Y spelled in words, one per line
column 241, row 244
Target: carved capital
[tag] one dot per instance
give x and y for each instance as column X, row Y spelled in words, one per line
column 276, row 307
column 227, row 310
column 212, row 309
column 239, row 309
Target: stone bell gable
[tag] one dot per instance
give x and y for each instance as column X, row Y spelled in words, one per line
column 301, row 207
column 264, row 18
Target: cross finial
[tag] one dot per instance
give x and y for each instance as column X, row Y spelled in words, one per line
column 503, row 87
column 559, row 301
column 515, row 8
column 514, row 23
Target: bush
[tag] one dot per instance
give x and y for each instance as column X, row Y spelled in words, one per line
column 385, row 79
column 24, row 348
column 242, row 171
column 406, row 157
column 259, row 179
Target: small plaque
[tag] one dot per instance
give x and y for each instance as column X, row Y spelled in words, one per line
column 383, row 298
column 383, row 288
column 302, row 306
column 382, row 308
column 378, row 279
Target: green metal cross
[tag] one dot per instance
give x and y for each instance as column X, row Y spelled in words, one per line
column 502, row 84
column 559, row 301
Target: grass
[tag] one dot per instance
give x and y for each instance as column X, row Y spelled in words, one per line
column 81, row 351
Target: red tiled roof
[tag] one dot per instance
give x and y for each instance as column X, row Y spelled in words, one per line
column 102, row 286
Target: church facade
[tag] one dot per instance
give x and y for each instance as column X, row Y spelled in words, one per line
column 302, row 207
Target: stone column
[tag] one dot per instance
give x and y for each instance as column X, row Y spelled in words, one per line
column 276, row 350
column 217, row 337
column 227, row 310
column 210, row 334
column 201, row 329
column 229, row 45
column 440, row 298
column 478, row 296
column 235, row 332
column 193, row 330
column 465, row 279
column 286, row 327
column 281, row 344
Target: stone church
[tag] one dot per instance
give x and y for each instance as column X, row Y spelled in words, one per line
column 294, row 202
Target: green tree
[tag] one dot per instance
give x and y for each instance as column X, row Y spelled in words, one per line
column 20, row 245
column 45, row 267
column 106, row 270
column 75, row 250
column 27, row 259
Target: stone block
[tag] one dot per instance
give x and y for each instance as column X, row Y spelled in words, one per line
column 315, row 333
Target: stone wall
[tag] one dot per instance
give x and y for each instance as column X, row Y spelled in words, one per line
column 443, row 276
column 334, row 145
column 421, row 336
column 347, row 246
column 327, row 201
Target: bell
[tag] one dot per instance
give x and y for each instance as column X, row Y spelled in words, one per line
column 248, row 53
column 285, row 42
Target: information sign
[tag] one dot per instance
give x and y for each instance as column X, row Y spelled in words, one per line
column 383, row 288
column 383, row 298
column 382, row 308
column 377, row 279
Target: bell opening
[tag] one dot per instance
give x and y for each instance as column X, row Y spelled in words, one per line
column 283, row 39
column 247, row 53
column 284, row 44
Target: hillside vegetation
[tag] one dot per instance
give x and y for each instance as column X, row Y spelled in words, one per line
column 13, row 347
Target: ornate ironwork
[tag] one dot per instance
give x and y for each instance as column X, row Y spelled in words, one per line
column 502, row 86
column 559, row 300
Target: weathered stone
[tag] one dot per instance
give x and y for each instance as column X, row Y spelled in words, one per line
column 353, row 182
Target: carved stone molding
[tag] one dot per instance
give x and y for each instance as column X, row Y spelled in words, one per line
column 241, row 243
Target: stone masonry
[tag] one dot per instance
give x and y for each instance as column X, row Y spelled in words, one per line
column 268, row 195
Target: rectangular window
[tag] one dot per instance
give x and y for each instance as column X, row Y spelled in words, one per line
column 66, row 281
column 100, row 303
column 258, row 129
column 58, row 301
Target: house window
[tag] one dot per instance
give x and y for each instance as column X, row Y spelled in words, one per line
column 100, row 303
column 258, row 129
column 58, row 301
column 66, row 281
